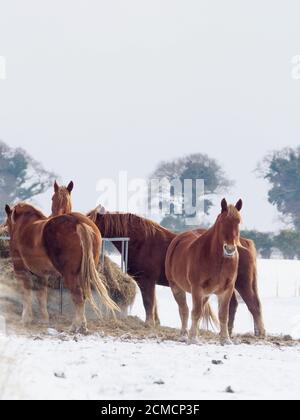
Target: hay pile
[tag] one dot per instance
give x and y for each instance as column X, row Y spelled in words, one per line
column 4, row 248
column 121, row 287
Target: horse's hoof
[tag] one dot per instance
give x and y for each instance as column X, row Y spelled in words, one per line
column 226, row 342
column 75, row 329
column 260, row 335
column 83, row 330
column 194, row 341
column 26, row 321
column 184, row 338
column 44, row 322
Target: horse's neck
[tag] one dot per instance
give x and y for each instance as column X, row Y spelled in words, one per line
column 34, row 222
column 67, row 210
column 210, row 240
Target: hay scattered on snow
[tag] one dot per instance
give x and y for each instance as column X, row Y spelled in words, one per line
column 121, row 287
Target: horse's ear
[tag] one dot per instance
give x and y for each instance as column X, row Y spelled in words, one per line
column 8, row 210
column 239, row 205
column 224, row 205
column 70, row 187
column 56, row 187
column 93, row 215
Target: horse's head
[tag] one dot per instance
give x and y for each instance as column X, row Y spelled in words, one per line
column 21, row 211
column 93, row 215
column 61, row 200
column 229, row 228
column 8, row 223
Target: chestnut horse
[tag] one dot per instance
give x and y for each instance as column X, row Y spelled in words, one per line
column 205, row 265
column 61, row 200
column 148, row 247
column 68, row 245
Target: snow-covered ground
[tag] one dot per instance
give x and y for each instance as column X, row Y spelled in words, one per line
column 96, row 368
column 104, row 368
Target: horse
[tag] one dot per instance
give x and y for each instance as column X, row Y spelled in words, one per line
column 149, row 243
column 68, row 246
column 148, row 247
column 205, row 265
column 61, row 200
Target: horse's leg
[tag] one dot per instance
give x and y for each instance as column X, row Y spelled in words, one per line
column 224, row 303
column 197, row 313
column 42, row 295
column 79, row 324
column 147, row 287
column 232, row 312
column 180, row 297
column 249, row 293
column 27, row 315
column 25, row 277
column 156, row 316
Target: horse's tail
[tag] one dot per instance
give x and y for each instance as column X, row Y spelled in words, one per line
column 209, row 318
column 89, row 275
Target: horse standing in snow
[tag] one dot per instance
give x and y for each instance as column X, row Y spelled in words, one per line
column 149, row 243
column 205, row 265
column 68, row 245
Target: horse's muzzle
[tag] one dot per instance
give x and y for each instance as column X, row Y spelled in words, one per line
column 229, row 251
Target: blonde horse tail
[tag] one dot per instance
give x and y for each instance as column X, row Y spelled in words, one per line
column 209, row 318
column 89, row 275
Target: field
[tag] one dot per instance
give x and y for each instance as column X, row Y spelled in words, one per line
column 124, row 360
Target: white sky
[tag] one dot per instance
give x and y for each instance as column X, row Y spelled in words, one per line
column 94, row 87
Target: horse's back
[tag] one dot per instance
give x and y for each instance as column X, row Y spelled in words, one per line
column 63, row 244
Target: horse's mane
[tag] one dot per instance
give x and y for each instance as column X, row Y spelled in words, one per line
column 62, row 193
column 61, row 199
column 124, row 224
column 25, row 208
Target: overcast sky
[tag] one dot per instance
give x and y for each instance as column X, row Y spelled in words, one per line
column 94, row 87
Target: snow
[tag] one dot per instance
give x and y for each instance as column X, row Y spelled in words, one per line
column 97, row 368
column 94, row 367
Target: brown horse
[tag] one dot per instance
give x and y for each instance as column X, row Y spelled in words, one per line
column 148, row 247
column 68, row 245
column 205, row 265
column 61, row 200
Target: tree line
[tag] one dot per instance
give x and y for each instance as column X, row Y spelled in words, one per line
column 23, row 178
column 285, row 244
column 281, row 169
